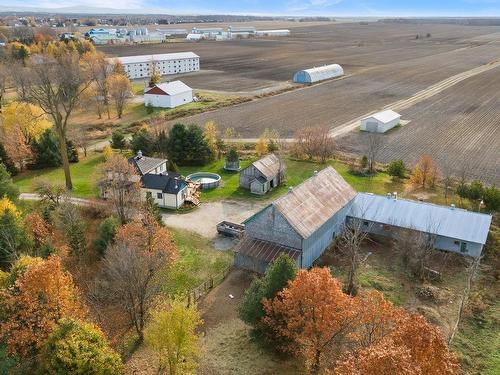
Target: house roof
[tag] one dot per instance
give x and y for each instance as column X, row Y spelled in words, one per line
column 265, row 250
column 169, row 88
column 422, row 216
column 269, row 166
column 157, row 57
column 145, row 164
column 385, row 116
column 170, row 183
column 308, row 206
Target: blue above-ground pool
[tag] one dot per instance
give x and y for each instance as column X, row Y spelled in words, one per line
column 207, row 180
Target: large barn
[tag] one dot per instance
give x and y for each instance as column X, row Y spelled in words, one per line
column 165, row 63
column 168, row 94
column 301, row 224
column 318, row 74
column 305, row 221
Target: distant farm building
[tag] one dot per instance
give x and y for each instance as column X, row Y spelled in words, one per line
column 380, row 122
column 262, row 175
column 195, row 37
column 304, row 222
column 166, row 63
column 318, row 74
column 282, row 32
column 168, row 95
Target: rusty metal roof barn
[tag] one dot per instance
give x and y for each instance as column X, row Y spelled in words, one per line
column 308, row 206
column 269, row 165
column 425, row 217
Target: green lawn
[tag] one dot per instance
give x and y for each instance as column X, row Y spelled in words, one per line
column 296, row 172
column 82, row 174
column 198, row 261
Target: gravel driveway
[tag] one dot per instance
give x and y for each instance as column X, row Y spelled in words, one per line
column 204, row 219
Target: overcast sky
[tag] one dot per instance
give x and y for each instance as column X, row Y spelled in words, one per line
column 289, row 7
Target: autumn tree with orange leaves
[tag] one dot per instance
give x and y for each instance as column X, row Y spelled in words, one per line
column 355, row 335
column 425, row 173
column 131, row 268
column 42, row 294
column 314, row 313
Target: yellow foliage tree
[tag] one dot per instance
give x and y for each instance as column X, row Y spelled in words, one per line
column 172, row 335
column 28, row 118
column 107, row 151
column 261, row 147
column 7, row 205
column 210, row 134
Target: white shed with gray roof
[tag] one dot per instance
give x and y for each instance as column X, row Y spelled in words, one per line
column 262, row 175
column 380, row 122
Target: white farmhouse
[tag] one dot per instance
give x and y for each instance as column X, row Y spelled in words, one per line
column 380, row 122
column 168, row 94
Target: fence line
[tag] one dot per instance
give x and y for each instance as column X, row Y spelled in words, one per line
column 195, row 294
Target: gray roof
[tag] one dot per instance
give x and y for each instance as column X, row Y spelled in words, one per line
column 426, row 217
column 145, row 164
column 308, row 206
column 168, row 183
column 157, row 57
column 171, row 88
column 269, row 166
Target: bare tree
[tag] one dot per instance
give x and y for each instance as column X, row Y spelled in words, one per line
column 417, row 248
column 130, row 275
column 447, row 180
column 315, row 143
column 21, row 78
column 3, row 82
column 99, row 70
column 58, row 83
column 51, row 194
column 374, row 144
column 119, row 182
column 120, row 90
column 82, row 138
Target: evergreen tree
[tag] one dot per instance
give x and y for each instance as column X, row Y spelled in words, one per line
column 397, row 169
column 275, row 279
column 72, row 152
column 106, row 234
column 7, row 187
column 188, row 146
column 161, row 144
column 118, row 140
column 491, row 198
column 46, row 151
column 7, row 161
column 143, row 140
column 11, row 238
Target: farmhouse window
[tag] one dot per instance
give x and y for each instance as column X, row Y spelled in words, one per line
column 159, row 195
column 456, row 242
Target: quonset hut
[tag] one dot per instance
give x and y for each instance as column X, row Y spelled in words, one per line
column 318, row 74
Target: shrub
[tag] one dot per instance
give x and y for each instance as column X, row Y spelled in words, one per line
column 363, row 163
column 7, row 187
column 397, row 169
column 79, row 348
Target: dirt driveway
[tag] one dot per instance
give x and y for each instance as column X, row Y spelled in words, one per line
column 204, row 219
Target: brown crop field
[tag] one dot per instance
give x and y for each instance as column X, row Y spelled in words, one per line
column 459, row 128
column 384, row 64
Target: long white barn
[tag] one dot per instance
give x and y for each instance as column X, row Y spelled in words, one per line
column 166, row 63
